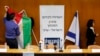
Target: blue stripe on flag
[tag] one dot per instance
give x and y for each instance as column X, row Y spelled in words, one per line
column 70, row 34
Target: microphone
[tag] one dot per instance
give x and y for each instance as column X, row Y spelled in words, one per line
column 55, row 44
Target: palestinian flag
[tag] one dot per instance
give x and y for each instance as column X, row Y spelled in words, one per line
column 24, row 24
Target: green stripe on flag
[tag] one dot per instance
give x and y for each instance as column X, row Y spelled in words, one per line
column 26, row 30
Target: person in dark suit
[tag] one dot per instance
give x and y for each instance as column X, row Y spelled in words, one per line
column 90, row 33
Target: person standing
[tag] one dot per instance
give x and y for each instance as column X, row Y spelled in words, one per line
column 12, row 30
column 90, row 33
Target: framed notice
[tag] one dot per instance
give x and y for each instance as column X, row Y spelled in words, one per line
column 52, row 25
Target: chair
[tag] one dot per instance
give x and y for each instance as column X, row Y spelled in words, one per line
column 72, row 47
column 50, row 46
column 32, row 46
column 35, row 46
column 93, row 47
column 4, row 46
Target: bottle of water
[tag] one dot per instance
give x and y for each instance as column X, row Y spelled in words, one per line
column 40, row 43
column 39, row 46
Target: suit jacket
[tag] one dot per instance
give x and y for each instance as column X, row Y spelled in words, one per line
column 90, row 34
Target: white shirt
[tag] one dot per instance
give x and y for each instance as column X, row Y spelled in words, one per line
column 92, row 29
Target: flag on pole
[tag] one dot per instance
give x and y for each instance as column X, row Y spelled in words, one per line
column 24, row 23
column 25, row 29
column 73, row 32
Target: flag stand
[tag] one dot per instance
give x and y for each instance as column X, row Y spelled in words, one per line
column 35, row 37
column 61, row 50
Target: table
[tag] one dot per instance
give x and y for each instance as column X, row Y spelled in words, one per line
column 66, row 52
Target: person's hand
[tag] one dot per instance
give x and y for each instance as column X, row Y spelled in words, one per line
column 22, row 11
column 6, row 8
column 95, row 43
column 97, row 34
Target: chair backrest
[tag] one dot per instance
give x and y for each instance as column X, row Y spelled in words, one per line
column 32, row 46
column 93, row 47
column 50, row 46
column 3, row 46
column 72, row 47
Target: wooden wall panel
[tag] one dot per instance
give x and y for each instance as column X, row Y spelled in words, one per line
column 2, row 12
column 87, row 9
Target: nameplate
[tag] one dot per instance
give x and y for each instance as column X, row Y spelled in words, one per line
column 3, row 50
column 76, row 51
column 48, row 50
column 28, row 54
column 95, row 50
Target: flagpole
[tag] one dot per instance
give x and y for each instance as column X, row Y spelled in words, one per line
column 35, row 37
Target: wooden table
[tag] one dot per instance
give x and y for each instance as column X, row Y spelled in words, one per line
column 36, row 52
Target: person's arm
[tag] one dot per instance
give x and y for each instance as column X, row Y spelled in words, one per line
column 5, row 17
column 92, row 34
column 6, row 9
column 22, row 11
column 17, row 31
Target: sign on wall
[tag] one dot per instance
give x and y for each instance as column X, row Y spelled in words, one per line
column 52, row 25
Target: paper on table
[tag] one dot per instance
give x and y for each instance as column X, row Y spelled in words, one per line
column 76, row 50
column 95, row 50
column 48, row 50
column 3, row 50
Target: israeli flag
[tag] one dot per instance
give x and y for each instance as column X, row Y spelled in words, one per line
column 73, row 32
